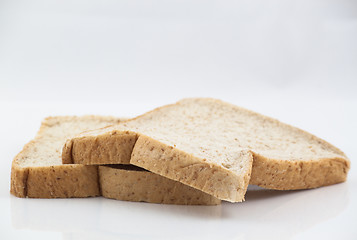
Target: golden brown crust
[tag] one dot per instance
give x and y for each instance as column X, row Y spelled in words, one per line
column 67, row 181
column 67, row 152
column 19, row 175
column 144, row 186
column 18, row 185
column 114, row 147
column 292, row 175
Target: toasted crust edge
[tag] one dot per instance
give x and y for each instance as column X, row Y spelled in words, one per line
column 18, row 186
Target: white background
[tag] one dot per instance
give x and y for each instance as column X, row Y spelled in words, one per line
column 292, row 60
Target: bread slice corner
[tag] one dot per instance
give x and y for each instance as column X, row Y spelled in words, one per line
column 37, row 171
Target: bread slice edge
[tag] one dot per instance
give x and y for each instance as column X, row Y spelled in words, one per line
column 144, row 186
column 191, row 170
column 301, row 174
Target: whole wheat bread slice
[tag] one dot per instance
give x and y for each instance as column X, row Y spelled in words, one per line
column 131, row 183
column 38, row 172
column 210, row 145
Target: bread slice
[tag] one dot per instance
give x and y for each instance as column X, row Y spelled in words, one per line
column 38, row 172
column 131, row 183
column 210, row 145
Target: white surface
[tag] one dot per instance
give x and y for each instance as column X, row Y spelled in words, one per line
column 292, row 60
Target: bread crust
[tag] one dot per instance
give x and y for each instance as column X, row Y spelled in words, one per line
column 293, row 175
column 144, row 186
column 112, row 148
column 18, row 186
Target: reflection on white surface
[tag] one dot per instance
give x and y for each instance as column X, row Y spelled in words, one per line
column 95, row 218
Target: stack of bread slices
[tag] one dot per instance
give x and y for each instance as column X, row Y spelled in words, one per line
column 197, row 152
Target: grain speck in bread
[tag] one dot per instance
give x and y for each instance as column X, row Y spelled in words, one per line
column 210, row 145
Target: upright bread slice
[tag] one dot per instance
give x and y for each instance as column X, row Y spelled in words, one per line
column 37, row 171
column 131, row 183
column 210, row 145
